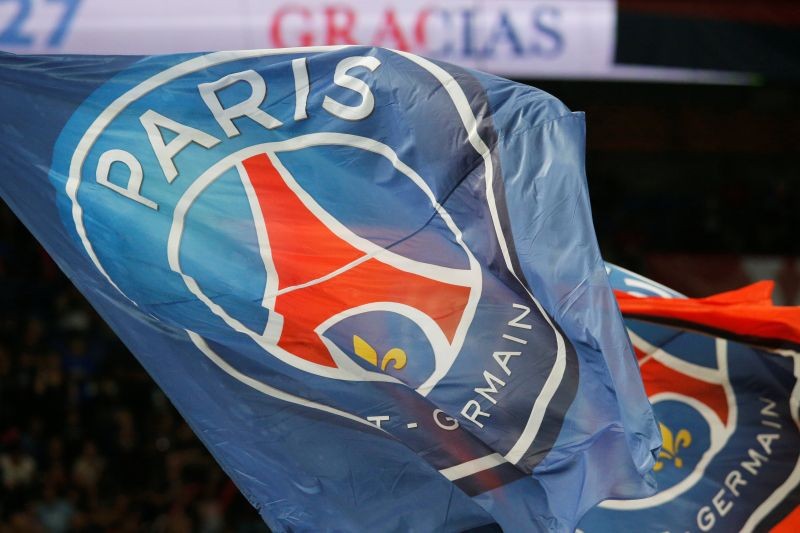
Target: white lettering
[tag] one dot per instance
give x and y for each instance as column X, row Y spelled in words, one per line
column 722, row 506
column 135, row 176
column 733, row 480
column 491, row 389
column 247, row 108
column 769, row 409
column 516, row 322
column 343, row 79
column 724, row 500
column 445, row 422
column 765, row 439
column 301, row 88
column 706, row 518
column 502, row 358
column 514, row 339
column 475, row 414
column 755, row 464
column 165, row 153
column 377, row 420
column 473, row 409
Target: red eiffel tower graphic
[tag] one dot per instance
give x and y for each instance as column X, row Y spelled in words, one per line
column 304, row 250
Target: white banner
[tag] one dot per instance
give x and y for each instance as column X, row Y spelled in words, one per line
column 521, row 38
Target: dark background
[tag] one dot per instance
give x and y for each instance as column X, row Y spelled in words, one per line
column 676, row 168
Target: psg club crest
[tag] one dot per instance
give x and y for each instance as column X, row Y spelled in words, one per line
column 730, row 432
column 324, row 239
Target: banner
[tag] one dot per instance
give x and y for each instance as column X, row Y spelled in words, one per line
column 351, row 271
column 522, row 38
column 723, row 374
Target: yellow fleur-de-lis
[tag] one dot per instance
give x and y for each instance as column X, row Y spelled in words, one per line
column 672, row 446
column 365, row 351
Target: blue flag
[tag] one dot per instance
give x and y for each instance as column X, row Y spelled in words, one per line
column 727, row 405
column 368, row 281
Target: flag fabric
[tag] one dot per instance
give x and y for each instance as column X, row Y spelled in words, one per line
column 722, row 373
column 368, row 281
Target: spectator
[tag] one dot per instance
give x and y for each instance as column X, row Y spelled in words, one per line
column 54, row 512
column 88, row 442
column 18, row 468
column 87, row 470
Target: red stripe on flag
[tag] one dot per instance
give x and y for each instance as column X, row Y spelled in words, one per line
column 746, row 315
column 304, row 250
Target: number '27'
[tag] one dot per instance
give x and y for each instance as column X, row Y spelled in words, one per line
column 14, row 33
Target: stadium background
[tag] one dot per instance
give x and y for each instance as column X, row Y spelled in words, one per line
column 693, row 182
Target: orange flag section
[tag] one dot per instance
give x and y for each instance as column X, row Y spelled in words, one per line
column 746, row 315
column 790, row 524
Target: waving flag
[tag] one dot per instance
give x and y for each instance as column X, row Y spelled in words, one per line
column 722, row 373
column 368, row 281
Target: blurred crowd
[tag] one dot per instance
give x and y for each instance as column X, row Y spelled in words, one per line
column 87, row 440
